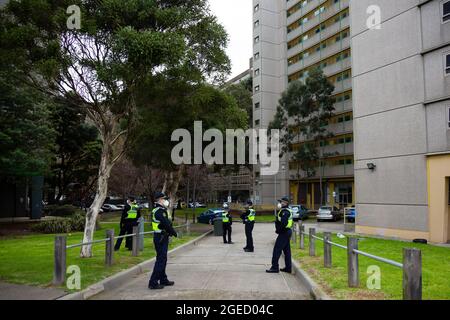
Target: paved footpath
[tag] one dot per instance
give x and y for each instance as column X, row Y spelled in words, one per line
column 214, row 270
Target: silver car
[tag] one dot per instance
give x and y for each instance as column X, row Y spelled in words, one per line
column 328, row 213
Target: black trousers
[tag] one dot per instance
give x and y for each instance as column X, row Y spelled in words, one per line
column 159, row 270
column 125, row 228
column 282, row 244
column 226, row 231
column 248, row 234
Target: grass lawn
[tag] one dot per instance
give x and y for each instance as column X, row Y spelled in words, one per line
column 29, row 259
column 435, row 264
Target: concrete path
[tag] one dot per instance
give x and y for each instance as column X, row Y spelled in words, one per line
column 9, row 291
column 214, row 270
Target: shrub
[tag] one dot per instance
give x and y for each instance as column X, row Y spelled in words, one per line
column 74, row 223
column 61, row 210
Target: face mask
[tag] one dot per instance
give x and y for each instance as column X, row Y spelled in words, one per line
column 279, row 205
column 166, row 203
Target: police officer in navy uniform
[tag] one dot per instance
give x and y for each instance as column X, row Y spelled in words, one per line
column 130, row 216
column 227, row 221
column 162, row 227
column 283, row 227
column 248, row 218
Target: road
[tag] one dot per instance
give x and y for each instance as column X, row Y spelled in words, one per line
column 214, row 270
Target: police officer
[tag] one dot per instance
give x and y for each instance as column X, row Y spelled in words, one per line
column 248, row 218
column 227, row 221
column 283, row 227
column 162, row 227
column 130, row 216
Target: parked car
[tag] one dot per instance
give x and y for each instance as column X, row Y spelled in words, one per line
column 328, row 213
column 120, row 206
column 208, row 216
column 351, row 214
column 110, row 208
column 300, row 212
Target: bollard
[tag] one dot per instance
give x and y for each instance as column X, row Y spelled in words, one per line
column 135, row 241
column 59, row 271
column 352, row 263
column 302, row 237
column 109, row 248
column 327, row 257
column 312, row 242
column 412, row 274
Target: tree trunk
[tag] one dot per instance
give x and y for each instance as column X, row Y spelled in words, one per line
column 106, row 164
column 171, row 183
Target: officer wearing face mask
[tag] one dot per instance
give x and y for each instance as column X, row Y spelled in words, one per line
column 130, row 216
column 283, row 227
column 162, row 227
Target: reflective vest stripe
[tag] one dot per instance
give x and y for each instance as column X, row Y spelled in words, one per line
column 290, row 219
column 155, row 222
column 252, row 214
column 132, row 213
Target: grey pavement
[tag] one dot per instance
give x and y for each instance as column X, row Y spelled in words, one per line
column 214, row 270
column 9, row 291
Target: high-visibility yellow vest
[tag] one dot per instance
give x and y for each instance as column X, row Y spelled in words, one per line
column 225, row 217
column 290, row 219
column 132, row 213
column 251, row 215
column 155, row 222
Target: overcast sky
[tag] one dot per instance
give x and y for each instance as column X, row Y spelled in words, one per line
column 236, row 17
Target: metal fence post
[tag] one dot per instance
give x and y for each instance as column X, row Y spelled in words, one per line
column 141, row 235
column 327, row 257
column 302, row 237
column 412, row 274
column 59, row 271
column 135, row 241
column 188, row 228
column 109, row 247
column 312, row 242
column 352, row 263
column 294, row 233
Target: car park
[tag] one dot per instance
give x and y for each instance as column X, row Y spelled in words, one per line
column 328, row 213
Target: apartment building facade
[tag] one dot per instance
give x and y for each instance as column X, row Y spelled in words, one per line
column 401, row 93
column 290, row 38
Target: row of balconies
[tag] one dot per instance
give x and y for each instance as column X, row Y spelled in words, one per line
column 327, row 172
column 316, row 21
column 322, row 35
column 319, row 56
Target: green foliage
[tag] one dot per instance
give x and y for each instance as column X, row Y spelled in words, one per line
column 73, row 223
column 176, row 103
column 243, row 96
column 26, row 133
column 60, row 211
column 309, row 104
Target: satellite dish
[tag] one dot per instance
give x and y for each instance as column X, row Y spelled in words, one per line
column 340, row 236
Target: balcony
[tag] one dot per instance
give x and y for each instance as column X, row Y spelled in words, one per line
column 327, row 172
column 337, row 67
column 341, row 86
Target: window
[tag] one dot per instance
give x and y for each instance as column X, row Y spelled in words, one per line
column 447, row 64
column 256, row 8
column 257, row 105
column 256, row 39
column 448, row 118
column 256, row 72
column 256, row 24
column 445, row 11
column 257, row 89
column 257, row 122
column 257, row 56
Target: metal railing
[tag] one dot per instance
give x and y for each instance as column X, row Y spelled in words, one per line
column 411, row 266
column 60, row 253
